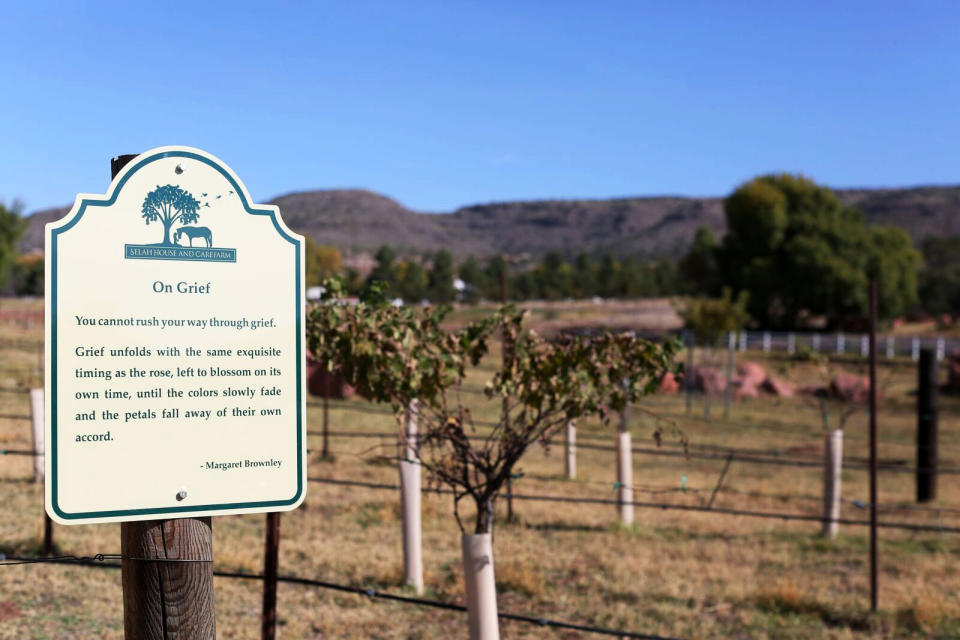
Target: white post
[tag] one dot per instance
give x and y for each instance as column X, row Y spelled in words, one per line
column 624, row 472
column 410, row 502
column 36, row 413
column 570, row 450
column 841, row 343
column 815, row 343
column 832, row 469
column 864, row 346
column 891, row 351
column 743, row 341
column 941, row 349
column 791, row 343
column 481, row 586
column 915, row 349
column 766, row 342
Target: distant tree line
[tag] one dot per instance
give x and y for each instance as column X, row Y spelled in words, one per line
column 793, row 256
column 433, row 276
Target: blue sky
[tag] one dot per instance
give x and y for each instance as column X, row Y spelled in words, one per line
column 443, row 104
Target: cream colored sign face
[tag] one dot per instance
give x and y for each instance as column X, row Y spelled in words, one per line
column 174, row 348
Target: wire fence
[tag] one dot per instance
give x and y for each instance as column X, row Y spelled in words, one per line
column 665, row 506
column 839, row 344
column 100, row 560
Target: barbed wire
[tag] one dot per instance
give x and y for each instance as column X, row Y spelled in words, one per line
column 100, row 560
column 708, row 452
column 372, row 408
column 666, row 506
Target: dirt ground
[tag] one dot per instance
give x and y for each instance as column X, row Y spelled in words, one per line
column 675, row 573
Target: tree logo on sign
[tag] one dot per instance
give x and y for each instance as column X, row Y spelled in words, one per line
column 169, row 204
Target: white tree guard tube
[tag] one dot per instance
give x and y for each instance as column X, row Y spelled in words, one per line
column 625, row 477
column 481, row 586
column 570, row 450
column 36, row 411
column 832, row 469
column 410, row 484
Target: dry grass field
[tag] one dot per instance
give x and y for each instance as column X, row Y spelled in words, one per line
column 675, row 573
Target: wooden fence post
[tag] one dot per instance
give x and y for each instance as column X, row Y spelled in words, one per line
column 927, row 426
column 410, row 483
column 625, row 470
column 168, row 579
column 167, row 567
column 570, row 450
column 271, row 564
column 832, row 470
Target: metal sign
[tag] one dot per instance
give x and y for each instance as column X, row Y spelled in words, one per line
column 174, row 348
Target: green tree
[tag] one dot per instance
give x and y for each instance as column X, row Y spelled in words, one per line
column 710, row 318
column 440, row 278
column 496, row 270
column 940, row 279
column 584, row 276
column 26, row 275
column 322, row 261
column 798, row 250
column 608, row 276
column 384, row 270
column 895, row 264
column 12, row 226
column 474, row 278
column 554, row 277
column 666, row 280
column 411, row 281
column 169, row 204
column 698, row 270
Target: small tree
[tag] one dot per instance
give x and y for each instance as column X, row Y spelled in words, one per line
column 710, row 318
column 169, row 204
column 397, row 355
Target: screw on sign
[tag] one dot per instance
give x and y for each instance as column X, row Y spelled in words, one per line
column 181, row 384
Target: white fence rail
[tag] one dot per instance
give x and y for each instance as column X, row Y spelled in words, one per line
column 888, row 346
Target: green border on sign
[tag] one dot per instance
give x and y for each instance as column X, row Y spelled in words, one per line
column 53, row 351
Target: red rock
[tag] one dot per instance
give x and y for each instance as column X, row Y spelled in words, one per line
column 668, row 384
column 850, row 388
column 708, row 380
column 746, row 392
column 778, row 387
column 751, row 374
